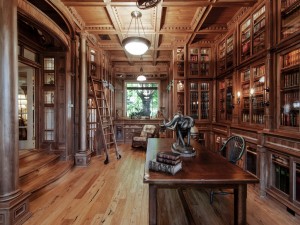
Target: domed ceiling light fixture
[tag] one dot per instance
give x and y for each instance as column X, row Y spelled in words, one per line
column 136, row 45
column 146, row 4
column 141, row 77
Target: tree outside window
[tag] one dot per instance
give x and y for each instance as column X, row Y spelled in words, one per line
column 141, row 99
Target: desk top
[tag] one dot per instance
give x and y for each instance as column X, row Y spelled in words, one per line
column 206, row 168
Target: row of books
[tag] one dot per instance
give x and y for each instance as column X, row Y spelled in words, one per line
column 167, row 162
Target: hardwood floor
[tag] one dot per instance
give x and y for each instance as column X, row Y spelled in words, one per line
column 115, row 194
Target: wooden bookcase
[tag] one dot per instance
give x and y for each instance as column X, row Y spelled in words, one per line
column 254, row 94
column 226, row 59
column 179, row 63
column 49, row 98
column 289, row 18
column 225, row 99
column 199, row 60
column 289, row 77
column 266, row 73
column 253, row 34
column 284, row 182
column 199, row 100
column 180, row 98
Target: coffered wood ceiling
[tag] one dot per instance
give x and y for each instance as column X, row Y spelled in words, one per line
column 171, row 23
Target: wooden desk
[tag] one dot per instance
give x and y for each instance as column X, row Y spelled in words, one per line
column 206, row 169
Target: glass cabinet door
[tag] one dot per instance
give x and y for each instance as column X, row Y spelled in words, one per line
column 194, row 100
column 281, row 173
column 290, row 82
column 49, row 98
column 199, row 100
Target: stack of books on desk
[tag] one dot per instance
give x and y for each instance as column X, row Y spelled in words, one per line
column 168, row 162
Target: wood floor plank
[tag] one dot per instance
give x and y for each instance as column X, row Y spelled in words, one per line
column 115, row 194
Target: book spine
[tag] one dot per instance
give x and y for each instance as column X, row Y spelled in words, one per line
column 168, row 161
column 170, row 157
column 161, row 167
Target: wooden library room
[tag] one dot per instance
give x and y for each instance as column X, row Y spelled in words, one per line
column 150, row 112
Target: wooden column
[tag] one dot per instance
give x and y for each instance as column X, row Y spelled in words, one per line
column 83, row 157
column 13, row 204
column 263, row 172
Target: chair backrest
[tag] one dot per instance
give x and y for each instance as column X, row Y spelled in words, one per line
column 148, row 129
column 235, row 148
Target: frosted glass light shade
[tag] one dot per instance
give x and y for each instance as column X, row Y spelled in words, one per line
column 136, row 45
column 141, row 78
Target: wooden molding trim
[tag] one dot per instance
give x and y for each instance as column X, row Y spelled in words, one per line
column 40, row 18
column 76, row 18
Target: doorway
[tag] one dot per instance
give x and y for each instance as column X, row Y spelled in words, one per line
column 26, row 108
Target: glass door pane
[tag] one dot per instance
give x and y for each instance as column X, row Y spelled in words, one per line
column 26, row 107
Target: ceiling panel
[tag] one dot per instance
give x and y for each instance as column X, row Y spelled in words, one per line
column 171, row 23
column 93, row 15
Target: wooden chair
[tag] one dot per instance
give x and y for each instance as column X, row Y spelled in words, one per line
column 140, row 139
column 233, row 149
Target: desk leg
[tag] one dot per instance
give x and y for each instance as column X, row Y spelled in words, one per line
column 152, row 204
column 240, row 201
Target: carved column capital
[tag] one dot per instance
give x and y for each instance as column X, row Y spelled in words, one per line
column 83, row 35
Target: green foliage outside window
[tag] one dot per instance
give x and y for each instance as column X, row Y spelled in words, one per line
column 141, row 99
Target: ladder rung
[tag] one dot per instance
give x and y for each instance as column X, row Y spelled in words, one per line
column 92, row 129
column 92, row 122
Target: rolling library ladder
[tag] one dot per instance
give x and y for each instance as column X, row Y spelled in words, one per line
column 104, row 124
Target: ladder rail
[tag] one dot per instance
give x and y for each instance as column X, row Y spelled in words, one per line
column 103, row 112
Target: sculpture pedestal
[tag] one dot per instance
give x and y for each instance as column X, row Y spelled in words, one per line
column 185, row 151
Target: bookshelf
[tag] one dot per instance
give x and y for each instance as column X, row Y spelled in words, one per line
column 180, row 62
column 253, row 34
column 180, row 96
column 229, row 51
column 281, row 173
column 225, row 54
column 225, row 99
column 289, row 94
column 246, row 39
column 199, row 98
column 199, row 62
column 254, row 94
column 289, row 15
column 284, row 181
column 221, row 57
column 49, row 98
column 259, row 23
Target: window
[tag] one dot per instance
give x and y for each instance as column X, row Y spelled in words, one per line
column 49, row 98
column 141, row 99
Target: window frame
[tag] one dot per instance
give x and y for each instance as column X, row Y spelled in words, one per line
column 158, row 82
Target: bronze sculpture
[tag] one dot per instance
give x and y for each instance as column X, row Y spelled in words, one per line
column 182, row 125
